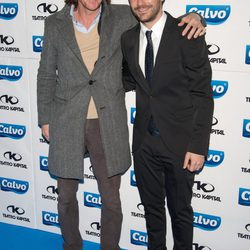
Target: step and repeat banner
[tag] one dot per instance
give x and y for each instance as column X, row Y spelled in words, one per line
column 221, row 193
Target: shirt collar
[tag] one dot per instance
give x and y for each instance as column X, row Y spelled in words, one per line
column 158, row 26
column 96, row 20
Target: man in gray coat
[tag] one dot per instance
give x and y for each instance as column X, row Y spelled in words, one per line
column 81, row 105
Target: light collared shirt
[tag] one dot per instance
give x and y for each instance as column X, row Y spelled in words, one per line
column 157, row 30
column 79, row 26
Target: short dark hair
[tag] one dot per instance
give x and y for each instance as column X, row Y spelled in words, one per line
column 71, row 2
column 75, row 2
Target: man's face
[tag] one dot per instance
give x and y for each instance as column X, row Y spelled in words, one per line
column 147, row 11
column 91, row 5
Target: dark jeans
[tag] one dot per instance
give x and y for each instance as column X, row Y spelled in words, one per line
column 159, row 175
column 111, row 214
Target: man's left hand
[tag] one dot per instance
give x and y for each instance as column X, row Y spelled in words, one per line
column 193, row 162
column 194, row 26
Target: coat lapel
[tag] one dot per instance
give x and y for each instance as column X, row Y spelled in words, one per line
column 66, row 29
column 104, row 29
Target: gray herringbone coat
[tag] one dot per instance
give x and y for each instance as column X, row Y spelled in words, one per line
column 64, row 88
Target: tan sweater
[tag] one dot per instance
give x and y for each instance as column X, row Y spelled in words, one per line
column 89, row 47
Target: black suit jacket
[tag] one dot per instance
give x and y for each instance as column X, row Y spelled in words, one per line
column 180, row 98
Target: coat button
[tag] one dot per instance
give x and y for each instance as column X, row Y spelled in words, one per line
column 91, row 82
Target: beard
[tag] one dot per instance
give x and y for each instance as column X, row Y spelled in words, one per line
column 147, row 13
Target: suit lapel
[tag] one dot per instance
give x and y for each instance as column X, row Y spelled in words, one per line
column 65, row 27
column 134, row 54
column 163, row 47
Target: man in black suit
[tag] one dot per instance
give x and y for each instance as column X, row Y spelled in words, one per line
column 174, row 106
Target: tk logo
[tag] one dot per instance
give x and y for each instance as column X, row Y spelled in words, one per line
column 52, row 190
column 9, row 99
column 213, row 49
column 15, row 210
column 8, row 40
column 44, row 7
column 205, row 187
column 95, row 226
column 12, row 156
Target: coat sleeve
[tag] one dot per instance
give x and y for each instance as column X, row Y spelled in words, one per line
column 127, row 78
column 47, row 76
column 199, row 73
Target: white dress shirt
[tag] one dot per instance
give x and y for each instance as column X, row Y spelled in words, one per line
column 80, row 27
column 157, row 30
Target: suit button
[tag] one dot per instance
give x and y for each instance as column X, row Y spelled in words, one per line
column 91, row 82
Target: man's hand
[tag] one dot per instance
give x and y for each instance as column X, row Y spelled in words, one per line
column 45, row 131
column 194, row 26
column 193, row 162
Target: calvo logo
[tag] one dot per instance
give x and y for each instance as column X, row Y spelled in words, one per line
column 214, row 158
column 12, row 131
column 138, row 238
column 244, row 197
column 43, row 163
column 37, row 43
column 213, row 14
column 92, row 200
column 247, row 61
column 132, row 178
column 10, row 72
column 246, row 128
column 219, row 88
column 15, row 186
column 8, row 11
column 50, row 219
column 206, row 222
column 132, row 115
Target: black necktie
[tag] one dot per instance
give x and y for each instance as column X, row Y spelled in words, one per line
column 149, row 65
column 149, row 57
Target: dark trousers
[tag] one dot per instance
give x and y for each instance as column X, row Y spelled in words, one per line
column 159, row 175
column 111, row 214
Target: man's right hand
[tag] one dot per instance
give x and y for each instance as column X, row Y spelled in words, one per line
column 45, row 131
